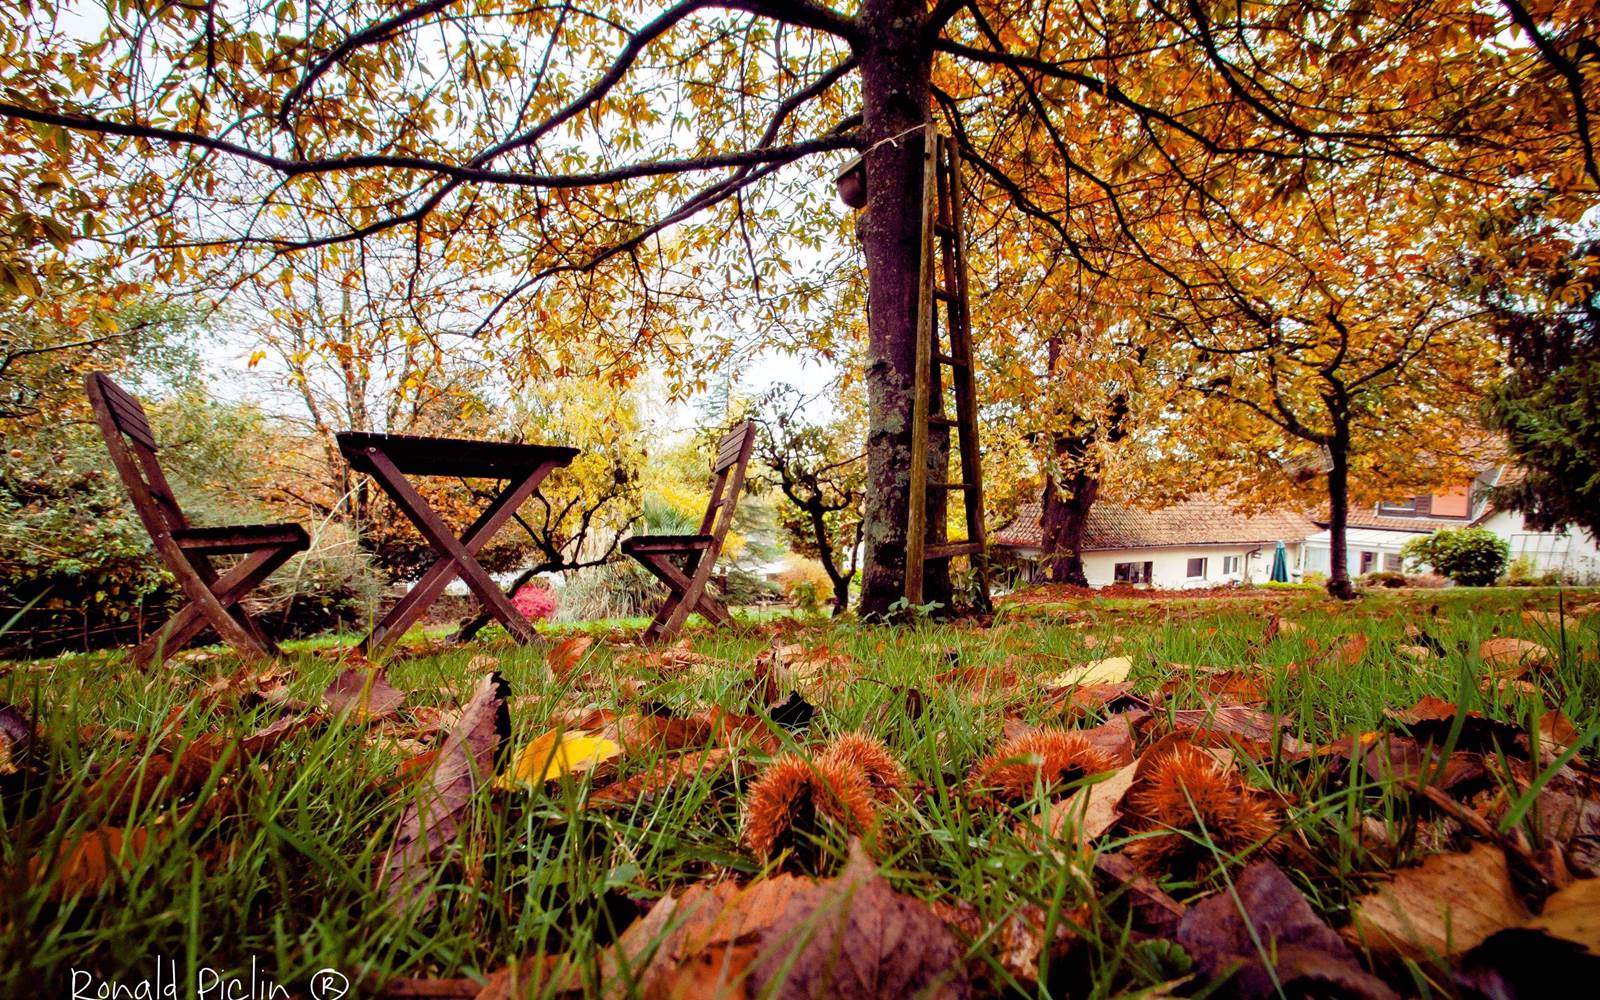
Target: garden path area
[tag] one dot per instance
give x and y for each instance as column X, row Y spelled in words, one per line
column 1081, row 797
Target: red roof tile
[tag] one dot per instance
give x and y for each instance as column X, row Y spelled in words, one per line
column 1200, row 521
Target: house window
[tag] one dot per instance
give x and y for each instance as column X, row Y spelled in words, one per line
column 1197, row 569
column 1131, row 572
column 1230, row 565
column 1368, row 560
column 1391, row 562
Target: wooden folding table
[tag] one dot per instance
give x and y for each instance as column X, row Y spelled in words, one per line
column 390, row 458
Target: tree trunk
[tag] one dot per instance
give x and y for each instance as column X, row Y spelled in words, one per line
column 896, row 65
column 1338, row 512
column 1068, row 519
column 841, row 596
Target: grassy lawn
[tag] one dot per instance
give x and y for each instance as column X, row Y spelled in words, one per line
column 122, row 842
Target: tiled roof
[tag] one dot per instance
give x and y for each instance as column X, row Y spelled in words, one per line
column 1366, row 517
column 1201, row 521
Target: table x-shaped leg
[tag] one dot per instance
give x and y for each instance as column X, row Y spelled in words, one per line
column 457, row 555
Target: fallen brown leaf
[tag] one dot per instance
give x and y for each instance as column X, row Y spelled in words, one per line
column 565, row 655
column 82, row 864
column 1277, row 926
column 1510, row 657
column 667, row 774
column 1446, row 905
column 363, row 695
column 1573, row 914
column 432, row 818
column 855, row 938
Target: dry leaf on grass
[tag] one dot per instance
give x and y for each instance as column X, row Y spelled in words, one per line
column 432, row 817
column 1277, row 626
column 1431, row 719
column 1112, row 670
column 1307, row 958
column 1236, row 726
column 82, row 864
column 1017, row 942
column 1511, row 657
column 363, row 695
column 1573, row 914
column 566, row 654
column 855, row 938
column 1153, row 911
column 1448, row 904
column 1544, row 957
column 554, row 754
column 1556, row 733
column 667, row 774
column 1093, row 809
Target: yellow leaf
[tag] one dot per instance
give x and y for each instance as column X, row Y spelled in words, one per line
column 556, row 753
column 1107, row 671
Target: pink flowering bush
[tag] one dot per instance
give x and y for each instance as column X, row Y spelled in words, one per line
column 536, row 602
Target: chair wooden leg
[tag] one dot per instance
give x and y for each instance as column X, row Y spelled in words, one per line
column 226, row 591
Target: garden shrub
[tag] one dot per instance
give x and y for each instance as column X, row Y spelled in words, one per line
column 76, row 568
column 332, row 586
column 1524, row 572
column 1472, row 557
column 535, row 601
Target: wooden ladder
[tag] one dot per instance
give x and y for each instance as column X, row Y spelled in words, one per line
column 944, row 281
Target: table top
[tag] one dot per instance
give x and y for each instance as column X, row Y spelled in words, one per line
column 437, row 456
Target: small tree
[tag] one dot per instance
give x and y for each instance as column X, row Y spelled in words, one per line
column 1472, row 557
column 821, row 470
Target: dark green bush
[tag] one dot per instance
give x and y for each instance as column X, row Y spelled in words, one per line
column 1472, row 557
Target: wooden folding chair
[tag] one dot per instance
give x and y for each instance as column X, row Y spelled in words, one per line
column 659, row 553
column 187, row 551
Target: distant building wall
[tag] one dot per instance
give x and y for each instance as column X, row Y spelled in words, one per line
column 1571, row 552
column 1170, row 567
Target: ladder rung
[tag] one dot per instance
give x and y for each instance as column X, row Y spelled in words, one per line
column 951, row 360
column 952, row 486
column 942, row 421
column 943, row 228
column 958, row 549
column 943, row 294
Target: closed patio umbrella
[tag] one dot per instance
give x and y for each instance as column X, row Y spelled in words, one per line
column 1280, row 565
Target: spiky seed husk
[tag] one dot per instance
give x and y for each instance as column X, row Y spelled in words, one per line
column 1044, row 758
column 871, row 757
column 1186, row 791
column 794, row 794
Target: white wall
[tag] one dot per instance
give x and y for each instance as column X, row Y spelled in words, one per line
column 1169, row 566
column 1571, row 551
column 1385, row 546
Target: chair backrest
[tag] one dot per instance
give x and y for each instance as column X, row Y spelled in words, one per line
column 727, row 471
column 133, row 451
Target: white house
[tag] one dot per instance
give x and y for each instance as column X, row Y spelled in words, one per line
column 1374, row 535
column 1201, row 542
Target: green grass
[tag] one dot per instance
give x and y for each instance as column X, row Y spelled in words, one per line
column 281, row 869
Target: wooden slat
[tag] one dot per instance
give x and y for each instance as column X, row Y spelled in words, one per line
column 130, row 419
column 956, row 549
column 935, row 485
column 952, row 362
